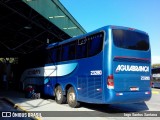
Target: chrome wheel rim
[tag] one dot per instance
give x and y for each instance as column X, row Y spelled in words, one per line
column 58, row 94
column 71, row 97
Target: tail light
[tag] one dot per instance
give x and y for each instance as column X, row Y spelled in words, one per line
column 110, row 82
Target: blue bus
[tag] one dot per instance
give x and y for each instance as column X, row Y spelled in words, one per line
column 155, row 77
column 107, row 66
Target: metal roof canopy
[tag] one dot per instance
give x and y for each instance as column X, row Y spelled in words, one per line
column 27, row 25
column 55, row 12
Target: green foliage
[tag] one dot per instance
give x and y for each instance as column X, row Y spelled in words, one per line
column 9, row 60
column 155, row 65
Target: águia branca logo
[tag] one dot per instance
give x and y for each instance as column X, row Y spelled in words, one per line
column 132, row 68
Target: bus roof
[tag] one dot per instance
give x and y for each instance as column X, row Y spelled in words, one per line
column 97, row 30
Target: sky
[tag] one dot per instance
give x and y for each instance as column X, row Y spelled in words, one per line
column 140, row 14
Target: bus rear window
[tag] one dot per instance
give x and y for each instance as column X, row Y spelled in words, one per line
column 130, row 40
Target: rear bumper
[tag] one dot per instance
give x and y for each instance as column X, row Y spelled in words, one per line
column 127, row 97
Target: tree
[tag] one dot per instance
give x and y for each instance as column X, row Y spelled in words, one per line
column 155, row 65
column 9, row 60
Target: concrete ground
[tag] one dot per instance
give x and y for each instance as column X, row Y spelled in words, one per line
column 48, row 107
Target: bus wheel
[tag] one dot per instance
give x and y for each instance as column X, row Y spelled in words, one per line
column 59, row 97
column 71, row 98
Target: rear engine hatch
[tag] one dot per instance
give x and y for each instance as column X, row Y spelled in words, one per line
column 131, row 74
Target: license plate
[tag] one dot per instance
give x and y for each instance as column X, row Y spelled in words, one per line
column 134, row 89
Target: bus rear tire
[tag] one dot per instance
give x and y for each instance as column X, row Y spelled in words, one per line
column 59, row 97
column 71, row 98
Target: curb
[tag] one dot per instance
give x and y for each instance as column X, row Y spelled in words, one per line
column 18, row 107
column 155, row 92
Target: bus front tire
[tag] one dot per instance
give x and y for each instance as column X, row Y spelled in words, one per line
column 71, row 98
column 59, row 97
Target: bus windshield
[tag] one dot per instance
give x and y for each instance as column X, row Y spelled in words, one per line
column 130, row 39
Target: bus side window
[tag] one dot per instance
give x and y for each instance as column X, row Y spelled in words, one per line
column 53, row 54
column 72, row 50
column 81, row 48
column 65, row 52
column 95, row 44
column 49, row 58
column 56, row 54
